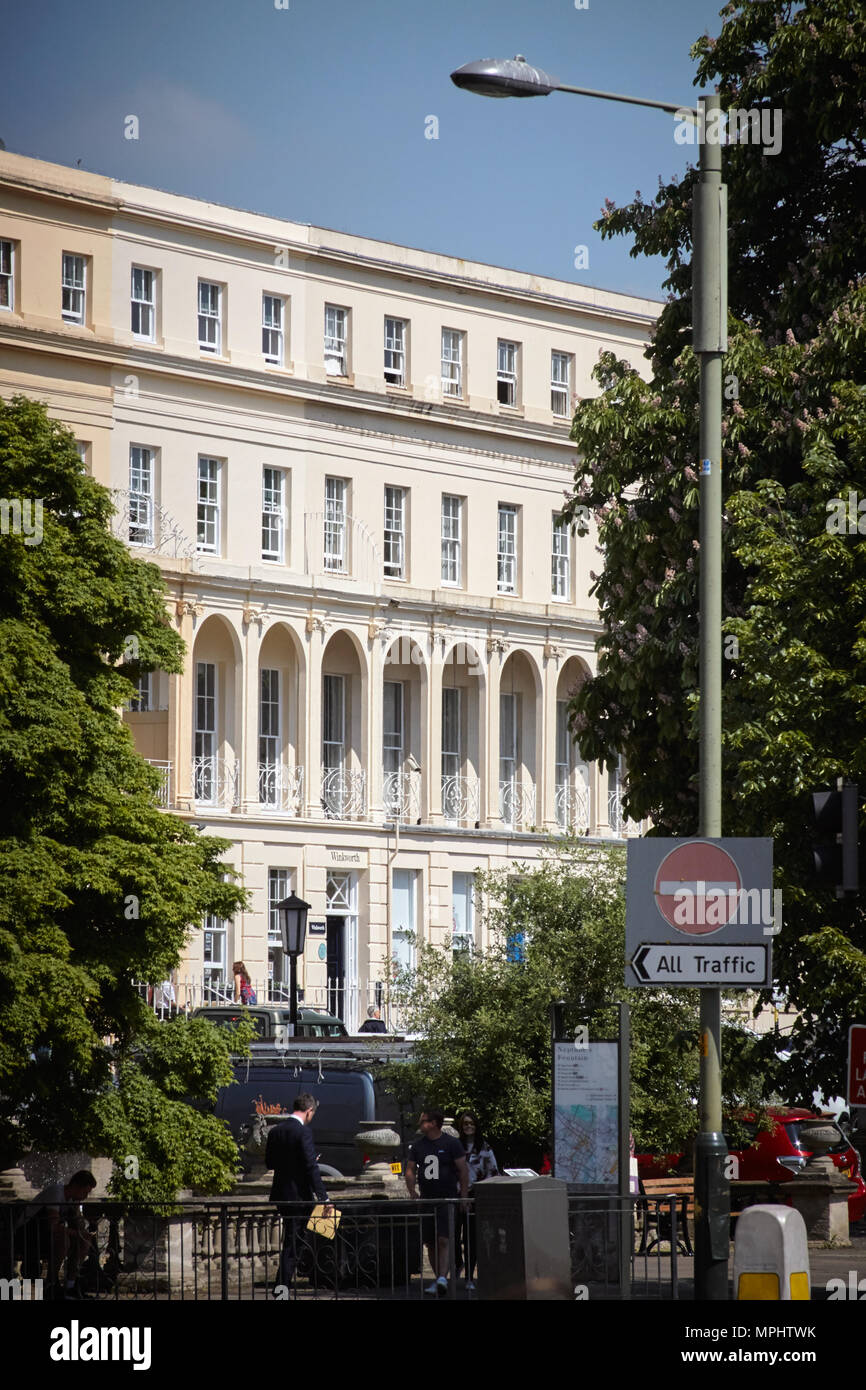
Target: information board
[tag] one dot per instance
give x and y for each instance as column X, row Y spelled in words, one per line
column 586, row 1114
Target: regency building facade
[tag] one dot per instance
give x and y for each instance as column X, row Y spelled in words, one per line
column 347, row 458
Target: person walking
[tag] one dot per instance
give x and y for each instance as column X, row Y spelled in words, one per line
column 482, row 1164
column 438, row 1162
column 290, row 1152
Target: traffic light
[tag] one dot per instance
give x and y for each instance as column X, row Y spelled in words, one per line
column 836, row 853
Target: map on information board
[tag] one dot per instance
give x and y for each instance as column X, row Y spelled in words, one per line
column 586, row 1114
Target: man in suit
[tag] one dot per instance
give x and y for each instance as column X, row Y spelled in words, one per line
column 292, row 1155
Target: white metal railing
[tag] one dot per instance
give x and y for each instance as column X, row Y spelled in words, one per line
column 517, row 804
column 460, row 798
column 616, row 818
column 163, row 534
column 216, row 782
column 402, row 797
column 281, row 788
column 163, row 796
column 347, row 1000
column 572, row 808
column 344, row 793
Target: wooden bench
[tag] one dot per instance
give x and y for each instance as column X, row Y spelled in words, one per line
column 657, row 1215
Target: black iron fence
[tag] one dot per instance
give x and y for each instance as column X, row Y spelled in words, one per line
column 219, row 1250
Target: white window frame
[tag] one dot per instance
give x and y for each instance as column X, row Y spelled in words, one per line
column 451, row 527
column 334, row 558
column 279, row 887
column 336, row 334
column 210, row 317
column 142, row 700
column 452, row 362
column 205, row 731
column 7, row 275
column 406, row 885
column 208, row 509
column 454, row 755
column 506, row 549
column 392, row 738
column 394, row 553
column 142, row 494
column 273, row 514
column 215, row 955
column 396, row 335
column 560, row 383
column 273, row 329
column 507, row 372
column 333, row 693
column 560, row 560
column 270, row 736
column 463, row 942
column 73, row 282
column 509, row 743
column 142, row 303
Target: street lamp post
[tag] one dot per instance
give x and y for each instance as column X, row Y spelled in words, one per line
column 292, row 914
column 517, row 78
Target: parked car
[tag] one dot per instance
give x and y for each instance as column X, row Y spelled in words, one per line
column 272, row 1020
column 776, row 1154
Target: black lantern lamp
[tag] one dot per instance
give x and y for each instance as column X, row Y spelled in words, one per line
column 292, row 915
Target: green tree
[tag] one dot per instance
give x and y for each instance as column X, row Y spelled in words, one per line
column 484, row 1019
column 98, row 886
column 793, row 437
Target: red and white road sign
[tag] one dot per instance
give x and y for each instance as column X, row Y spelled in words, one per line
column 857, row 1064
column 697, row 888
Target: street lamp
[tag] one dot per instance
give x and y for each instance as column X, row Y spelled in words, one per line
column 492, row 77
column 292, row 915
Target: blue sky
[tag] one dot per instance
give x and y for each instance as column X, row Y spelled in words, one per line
column 318, row 112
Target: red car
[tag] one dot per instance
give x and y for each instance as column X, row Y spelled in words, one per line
column 776, row 1154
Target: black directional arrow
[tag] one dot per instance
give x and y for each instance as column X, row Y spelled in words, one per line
column 637, row 964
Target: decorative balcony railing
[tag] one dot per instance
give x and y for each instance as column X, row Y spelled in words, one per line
column 344, row 793
column 402, row 797
column 163, row 796
column 572, row 808
column 517, row 805
column 281, row 788
column 617, row 819
column 460, row 799
column 216, row 782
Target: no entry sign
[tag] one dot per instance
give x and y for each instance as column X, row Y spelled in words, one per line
column 716, row 894
column 697, row 887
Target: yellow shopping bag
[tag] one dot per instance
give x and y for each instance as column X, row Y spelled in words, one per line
column 323, row 1225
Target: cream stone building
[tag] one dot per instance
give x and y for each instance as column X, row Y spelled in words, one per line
column 347, row 458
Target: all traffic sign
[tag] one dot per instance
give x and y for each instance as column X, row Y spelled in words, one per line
column 700, row 965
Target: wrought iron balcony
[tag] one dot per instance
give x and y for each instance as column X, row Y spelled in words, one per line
column 460, row 799
column 517, row 805
column 402, row 797
column 344, row 793
column 163, row 796
column 216, row 782
column 281, row 788
column 572, row 808
column 617, row 820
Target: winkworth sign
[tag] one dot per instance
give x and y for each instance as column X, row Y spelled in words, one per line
column 700, row 912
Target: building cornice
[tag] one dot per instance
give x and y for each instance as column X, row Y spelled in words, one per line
column 129, row 358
